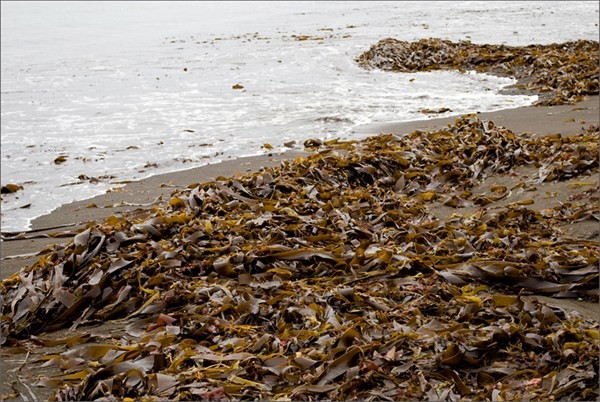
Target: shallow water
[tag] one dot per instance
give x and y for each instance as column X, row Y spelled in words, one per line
column 132, row 89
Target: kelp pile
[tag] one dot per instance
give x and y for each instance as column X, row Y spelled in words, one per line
column 329, row 278
column 562, row 73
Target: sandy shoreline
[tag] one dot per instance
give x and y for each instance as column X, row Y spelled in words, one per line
column 140, row 195
column 137, row 197
column 539, row 120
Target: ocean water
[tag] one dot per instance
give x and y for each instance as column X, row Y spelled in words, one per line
column 126, row 90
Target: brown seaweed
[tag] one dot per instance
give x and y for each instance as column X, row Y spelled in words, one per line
column 329, row 278
column 10, row 188
column 561, row 73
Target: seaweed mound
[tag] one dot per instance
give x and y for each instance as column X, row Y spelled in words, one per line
column 328, row 278
column 562, row 73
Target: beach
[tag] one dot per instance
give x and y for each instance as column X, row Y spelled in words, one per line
column 109, row 94
column 543, row 120
column 137, row 198
column 265, row 203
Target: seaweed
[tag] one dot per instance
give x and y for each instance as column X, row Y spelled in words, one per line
column 328, row 277
column 561, row 73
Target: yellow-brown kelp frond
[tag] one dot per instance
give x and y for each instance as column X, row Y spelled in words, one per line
column 329, row 278
column 562, row 73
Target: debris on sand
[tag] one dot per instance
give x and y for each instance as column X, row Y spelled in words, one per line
column 328, row 278
column 562, row 73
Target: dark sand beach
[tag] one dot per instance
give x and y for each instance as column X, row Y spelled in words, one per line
column 135, row 199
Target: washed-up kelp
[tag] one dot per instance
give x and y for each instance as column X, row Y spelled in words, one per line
column 328, row 278
column 560, row 72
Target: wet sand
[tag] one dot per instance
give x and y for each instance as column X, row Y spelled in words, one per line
column 539, row 120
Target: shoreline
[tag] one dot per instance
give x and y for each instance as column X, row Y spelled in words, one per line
column 130, row 200
column 540, row 120
column 133, row 197
column 137, row 196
